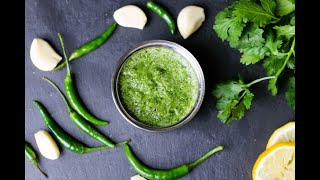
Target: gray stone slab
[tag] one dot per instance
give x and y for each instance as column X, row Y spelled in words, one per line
column 79, row 21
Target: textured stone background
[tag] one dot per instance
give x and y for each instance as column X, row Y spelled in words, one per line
column 80, row 21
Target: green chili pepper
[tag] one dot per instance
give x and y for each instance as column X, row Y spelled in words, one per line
column 163, row 14
column 32, row 157
column 167, row 174
column 80, row 122
column 73, row 97
column 91, row 45
column 61, row 136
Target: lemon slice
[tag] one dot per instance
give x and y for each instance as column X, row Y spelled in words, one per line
column 285, row 133
column 276, row 162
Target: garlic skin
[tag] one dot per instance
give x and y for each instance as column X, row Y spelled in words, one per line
column 43, row 55
column 137, row 177
column 130, row 16
column 47, row 146
column 189, row 20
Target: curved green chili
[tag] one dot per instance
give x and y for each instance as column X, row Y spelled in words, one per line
column 80, row 122
column 61, row 136
column 167, row 174
column 32, row 157
column 73, row 97
column 91, row 45
column 163, row 14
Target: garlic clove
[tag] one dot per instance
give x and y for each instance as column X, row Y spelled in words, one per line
column 189, row 20
column 43, row 56
column 47, row 146
column 130, row 16
column 137, row 177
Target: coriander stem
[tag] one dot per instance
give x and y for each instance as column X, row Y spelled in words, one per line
column 243, row 94
column 261, row 79
column 287, row 59
column 280, row 53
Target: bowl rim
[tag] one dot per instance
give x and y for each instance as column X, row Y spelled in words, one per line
column 187, row 56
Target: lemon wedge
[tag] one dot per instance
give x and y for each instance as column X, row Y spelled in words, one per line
column 285, row 133
column 276, row 163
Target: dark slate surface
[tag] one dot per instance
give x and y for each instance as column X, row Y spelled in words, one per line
column 79, row 21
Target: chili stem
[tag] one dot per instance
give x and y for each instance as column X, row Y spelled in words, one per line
column 86, row 150
column 64, row 53
column 59, row 66
column 92, row 149
column 59, row 91
column 37, row 166
column 121, row 143
column 194, row 164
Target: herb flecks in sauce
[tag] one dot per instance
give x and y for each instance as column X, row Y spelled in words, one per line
column 158, row 86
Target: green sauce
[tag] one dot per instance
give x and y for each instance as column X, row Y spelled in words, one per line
column 157, row 86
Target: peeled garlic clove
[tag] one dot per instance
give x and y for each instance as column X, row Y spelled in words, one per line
column 130, row 16
column 189, row 20
column 137, row 177
column 43, row 56
column 47, row 146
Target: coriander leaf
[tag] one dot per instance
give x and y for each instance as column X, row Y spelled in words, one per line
column 225, row 113
column 251, row 44
column 249, row 59
column 237, row 112
column 273, row 64
column 258, row 51
column 233, row 98
column 286, row 30
column 227, row 92
column 228, row 89
column 273, row 44
column 247, row 99
column 227, row 95
column 291, row 63
column 251, row 11
column 252, row 36
column 227, row 26
column 284, row 7
column 272, row 86
column 293, row 21
column 290, row 94
column 269, row 6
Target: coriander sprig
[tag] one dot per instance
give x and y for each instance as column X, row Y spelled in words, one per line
column 234, row 98
column 261, row 30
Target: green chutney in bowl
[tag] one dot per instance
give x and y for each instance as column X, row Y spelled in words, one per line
column 158, row 86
